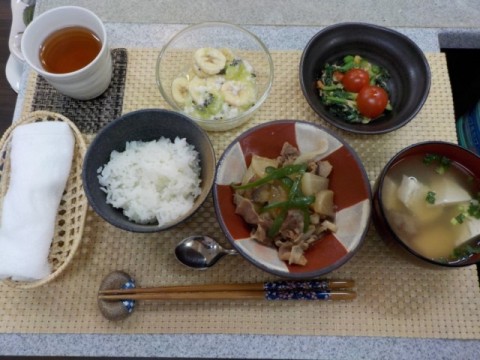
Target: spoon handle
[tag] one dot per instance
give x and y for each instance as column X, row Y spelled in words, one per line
column 266, row 286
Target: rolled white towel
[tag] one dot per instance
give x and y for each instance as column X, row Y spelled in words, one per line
column 41, row 158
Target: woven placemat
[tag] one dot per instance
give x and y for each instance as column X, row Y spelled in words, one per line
column 89, row 116
column 395, row 297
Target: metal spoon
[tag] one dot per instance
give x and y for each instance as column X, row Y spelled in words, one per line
column 200, row 252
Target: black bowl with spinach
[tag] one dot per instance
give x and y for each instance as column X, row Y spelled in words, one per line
column 409, row 72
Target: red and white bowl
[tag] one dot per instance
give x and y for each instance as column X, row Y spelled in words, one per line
column 348, row 180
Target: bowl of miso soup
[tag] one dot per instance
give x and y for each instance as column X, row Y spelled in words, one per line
column 427, row 200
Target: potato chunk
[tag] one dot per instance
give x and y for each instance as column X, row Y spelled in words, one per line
column 312, row 184
column 323, row 203
column 259, row 164
column 324, row 168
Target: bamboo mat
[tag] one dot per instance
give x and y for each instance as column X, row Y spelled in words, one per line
column 395, row 297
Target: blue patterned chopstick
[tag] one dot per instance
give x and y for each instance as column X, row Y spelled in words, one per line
column 309, row 290
column 307, row 285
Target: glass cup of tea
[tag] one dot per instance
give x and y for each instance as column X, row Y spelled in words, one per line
column 68, row 47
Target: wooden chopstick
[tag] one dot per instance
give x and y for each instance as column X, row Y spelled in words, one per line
column 272, row 290
column 235, row 295
column 309, row 284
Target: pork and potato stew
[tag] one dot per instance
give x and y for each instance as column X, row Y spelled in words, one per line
column 287, row 200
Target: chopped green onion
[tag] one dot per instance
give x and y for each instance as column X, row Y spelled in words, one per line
column 443, row 162
column 474, row 209
column 431, row 197
column 430, row 158
column 458, row 219
column 444, row 165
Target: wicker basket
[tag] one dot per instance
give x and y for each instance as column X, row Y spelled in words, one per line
column 72, row 211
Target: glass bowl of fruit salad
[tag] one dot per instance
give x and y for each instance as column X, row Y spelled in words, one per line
column 216, row 73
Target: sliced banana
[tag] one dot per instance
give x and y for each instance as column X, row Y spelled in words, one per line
column 198, row 90
column 238, row 93
column 210, row 60
column 199, row 72
column 229, row 55
column 180, row 90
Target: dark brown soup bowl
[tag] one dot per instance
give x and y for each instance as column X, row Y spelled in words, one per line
column 463, row 157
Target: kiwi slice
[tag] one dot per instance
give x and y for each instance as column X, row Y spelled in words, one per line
column 211, row 107
column 236, row 70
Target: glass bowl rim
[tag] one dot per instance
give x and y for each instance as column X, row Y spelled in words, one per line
column 240, row 117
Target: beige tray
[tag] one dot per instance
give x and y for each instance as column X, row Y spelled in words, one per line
column 395, row 298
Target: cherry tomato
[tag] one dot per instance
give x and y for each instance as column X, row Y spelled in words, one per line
column 372, row 101
column 355, row 79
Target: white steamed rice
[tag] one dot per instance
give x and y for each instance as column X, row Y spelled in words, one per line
column 157, row 180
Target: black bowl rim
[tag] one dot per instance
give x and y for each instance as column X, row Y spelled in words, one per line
column 127, row 224
column 344, row 125
column 378, row 195
column 311, row 274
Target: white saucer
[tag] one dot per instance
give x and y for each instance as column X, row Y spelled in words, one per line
column 13, row 71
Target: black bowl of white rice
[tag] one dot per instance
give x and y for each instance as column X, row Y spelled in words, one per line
column 148, row 170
